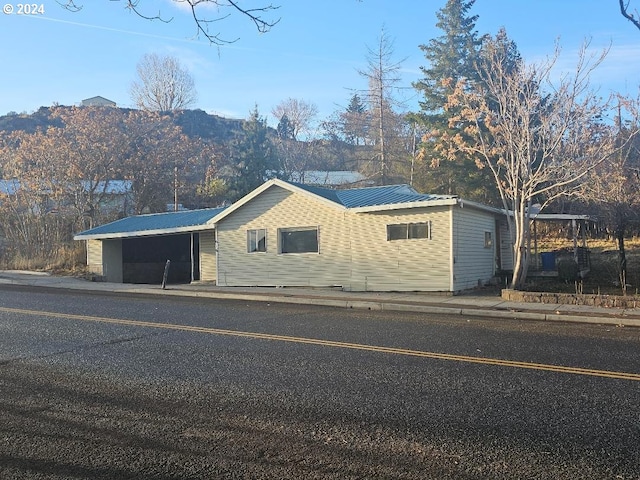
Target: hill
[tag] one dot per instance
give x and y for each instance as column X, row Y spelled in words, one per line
column 194, row 123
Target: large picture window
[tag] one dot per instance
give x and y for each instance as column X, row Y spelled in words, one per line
column 299, row 240
column 408, row 231
column 257, row 240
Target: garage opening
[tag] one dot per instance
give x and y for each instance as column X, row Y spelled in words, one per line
column 144, row 258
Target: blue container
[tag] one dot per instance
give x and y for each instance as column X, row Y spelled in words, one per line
column 548, row 261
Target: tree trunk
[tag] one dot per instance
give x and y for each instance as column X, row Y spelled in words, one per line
column 520, row 252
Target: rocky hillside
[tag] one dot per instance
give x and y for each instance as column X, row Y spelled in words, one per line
column 194, row 123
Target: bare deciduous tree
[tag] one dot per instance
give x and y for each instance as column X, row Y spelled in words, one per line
column 382, row 74
column 613, row 189
column 162, row 85
column 299, row 113
column 199, row 12
column 538, row 144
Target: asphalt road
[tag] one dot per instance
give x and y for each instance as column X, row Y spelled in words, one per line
column 107, row 386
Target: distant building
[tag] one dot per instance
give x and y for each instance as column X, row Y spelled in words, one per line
column 325, row 178
column 98, row 102
column 114, row 195
column 329, row 178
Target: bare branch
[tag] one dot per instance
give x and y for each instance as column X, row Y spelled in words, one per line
column 624, row 9
column 258, row 16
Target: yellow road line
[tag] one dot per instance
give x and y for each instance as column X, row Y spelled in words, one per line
column 331, row 343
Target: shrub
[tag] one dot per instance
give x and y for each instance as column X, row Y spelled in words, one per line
column 568, row 270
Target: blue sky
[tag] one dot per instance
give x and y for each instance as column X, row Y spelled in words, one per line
column 313, row 54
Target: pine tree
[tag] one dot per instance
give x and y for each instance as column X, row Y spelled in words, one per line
column 451, row 57
column 253, row 156
column 285, row 129
column 355, row 121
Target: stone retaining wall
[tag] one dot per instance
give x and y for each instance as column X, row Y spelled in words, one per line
column 630, row 301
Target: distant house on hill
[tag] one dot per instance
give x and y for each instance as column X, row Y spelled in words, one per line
column 98, row 102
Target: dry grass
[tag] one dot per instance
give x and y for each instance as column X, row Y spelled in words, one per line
column 67, row 260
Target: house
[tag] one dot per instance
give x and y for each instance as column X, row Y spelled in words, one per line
column 135, row 249
column 98, row 102
column 387, row 238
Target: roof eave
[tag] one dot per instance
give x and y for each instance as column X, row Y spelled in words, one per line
column 480, row 206
column 144, row 233
column 405, row 205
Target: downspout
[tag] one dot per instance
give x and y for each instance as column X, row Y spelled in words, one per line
column 452, row 260
column 216, row 249
column 192, row 260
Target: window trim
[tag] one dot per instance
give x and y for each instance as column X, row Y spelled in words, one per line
column 282, row 230
column 488, row 239
column 257, row 241
column 407, row 228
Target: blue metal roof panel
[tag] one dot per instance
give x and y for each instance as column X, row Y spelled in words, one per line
column 156, row 221
column 372, row 196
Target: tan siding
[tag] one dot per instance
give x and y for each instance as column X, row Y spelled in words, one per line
column 354, row 251
column 473, row 263
column 400, row 265
column 207, row 256
column 94, row 256
column 278, row 208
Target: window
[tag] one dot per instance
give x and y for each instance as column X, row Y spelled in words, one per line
column 419, row 230
column 488, row 240
column 257, row 240
column 299, row 240
column 407, row 231
column 397, row 232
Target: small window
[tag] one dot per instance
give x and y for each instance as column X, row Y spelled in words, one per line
column 419, row 230
column 405, row 231
column 299, row 240
column 257, row 240
column 488, row 240
column 397, row 232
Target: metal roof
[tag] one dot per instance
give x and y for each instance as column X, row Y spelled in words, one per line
column 373, row 196
column 112, row 187
column 152, row 224
column 366, row 199
column 327, row 177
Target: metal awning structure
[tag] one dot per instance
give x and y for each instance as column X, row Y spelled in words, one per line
column 580, row 251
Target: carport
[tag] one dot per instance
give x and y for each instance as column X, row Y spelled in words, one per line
column 144, row 258
column 136, row 249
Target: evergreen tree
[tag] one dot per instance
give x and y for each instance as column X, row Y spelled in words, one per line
column 355, row 121
column 253, row 157
column 285, row 129
column 451, row 57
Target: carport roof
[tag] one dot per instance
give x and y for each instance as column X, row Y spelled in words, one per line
column 153, row 224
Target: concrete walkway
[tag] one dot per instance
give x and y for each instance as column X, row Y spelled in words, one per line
column 466, row 304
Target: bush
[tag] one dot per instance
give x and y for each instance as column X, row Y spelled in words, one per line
column 568, row 270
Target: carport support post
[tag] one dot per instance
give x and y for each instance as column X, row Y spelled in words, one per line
column 166, row 274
